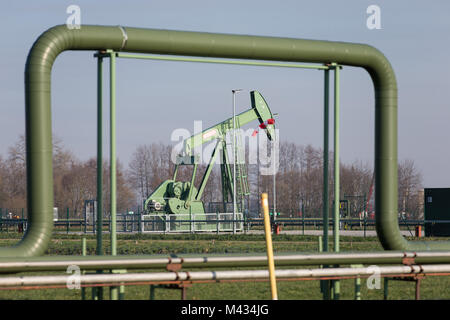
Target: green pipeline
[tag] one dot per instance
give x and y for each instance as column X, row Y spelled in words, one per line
column 60, row 38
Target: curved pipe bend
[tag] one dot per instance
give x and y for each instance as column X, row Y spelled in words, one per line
column 59, row 38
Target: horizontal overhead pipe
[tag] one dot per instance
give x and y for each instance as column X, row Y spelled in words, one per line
column 60, row 38
column 134, row 278
column 61, row 263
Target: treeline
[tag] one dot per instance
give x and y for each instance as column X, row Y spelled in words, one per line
column 298, row 180
column 74, row 181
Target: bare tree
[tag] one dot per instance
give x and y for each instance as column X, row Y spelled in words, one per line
column 409, row 185
column 78, row 186
column 149, row 166
column 14, row 172
column 355, row 185
column 3, row 175
column 140, row 170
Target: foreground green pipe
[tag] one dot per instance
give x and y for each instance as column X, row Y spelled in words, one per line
column 61, row 263
column 58, row 39
column 216, row 276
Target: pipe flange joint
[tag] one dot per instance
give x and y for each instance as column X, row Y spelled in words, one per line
column 125, row 37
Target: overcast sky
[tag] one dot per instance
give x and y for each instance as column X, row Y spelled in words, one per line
column 155, row 98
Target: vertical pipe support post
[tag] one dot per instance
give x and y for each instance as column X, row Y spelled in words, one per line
column 325, row 193
column 98, row 292
column 336, row 284
column 325, row 198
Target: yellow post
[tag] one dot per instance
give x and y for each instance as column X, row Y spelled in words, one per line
column 273, row 283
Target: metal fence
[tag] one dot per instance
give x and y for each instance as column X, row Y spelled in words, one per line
column 15, row 220
column 209, row 222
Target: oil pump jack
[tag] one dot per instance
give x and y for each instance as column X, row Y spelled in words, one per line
column 182, row 197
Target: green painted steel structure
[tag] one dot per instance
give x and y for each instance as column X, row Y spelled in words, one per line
column 99, row 156
column 182, row 197
column 59, row 39
column 336, row 225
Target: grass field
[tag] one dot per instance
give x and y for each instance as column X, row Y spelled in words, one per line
column 62, row 244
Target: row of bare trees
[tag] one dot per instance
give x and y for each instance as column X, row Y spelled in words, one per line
column 74, row 181
column 299, row 184
column 298, row 180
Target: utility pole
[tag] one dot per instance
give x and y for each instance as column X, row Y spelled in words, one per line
column 234, row 91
